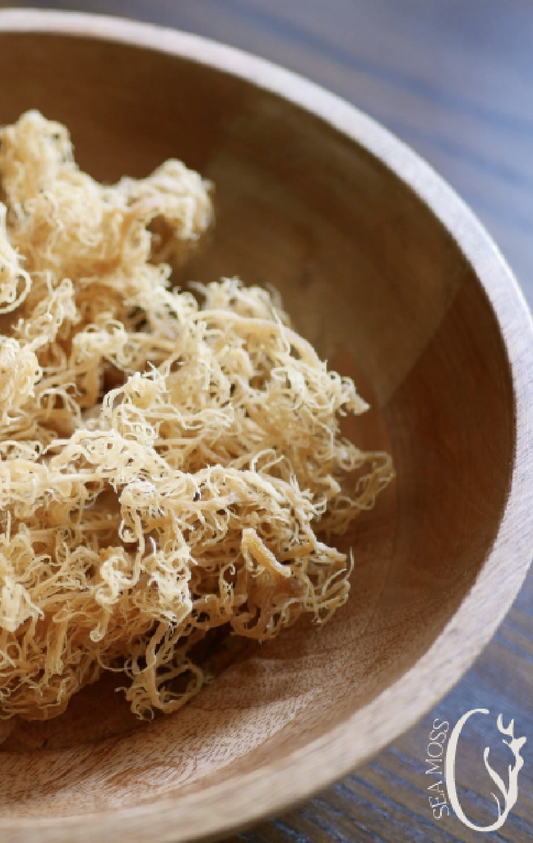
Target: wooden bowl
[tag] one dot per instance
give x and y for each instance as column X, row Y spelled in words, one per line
column 388, row 273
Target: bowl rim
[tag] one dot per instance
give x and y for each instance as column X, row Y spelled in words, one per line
column 231, row 805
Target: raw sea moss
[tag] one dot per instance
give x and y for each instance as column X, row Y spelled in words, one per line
column 168, row 459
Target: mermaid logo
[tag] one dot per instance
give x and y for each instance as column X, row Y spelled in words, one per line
column 509, row 794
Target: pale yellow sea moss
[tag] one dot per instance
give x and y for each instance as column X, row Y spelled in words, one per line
column 167, row 459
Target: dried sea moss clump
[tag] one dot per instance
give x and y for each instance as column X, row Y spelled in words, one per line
column 165, row 464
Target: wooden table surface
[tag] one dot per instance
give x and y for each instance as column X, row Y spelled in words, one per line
column 454, row 79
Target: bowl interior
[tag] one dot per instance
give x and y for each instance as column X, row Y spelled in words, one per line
column 374, row 280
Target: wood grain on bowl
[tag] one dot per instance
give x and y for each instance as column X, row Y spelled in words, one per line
column 386, row 271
